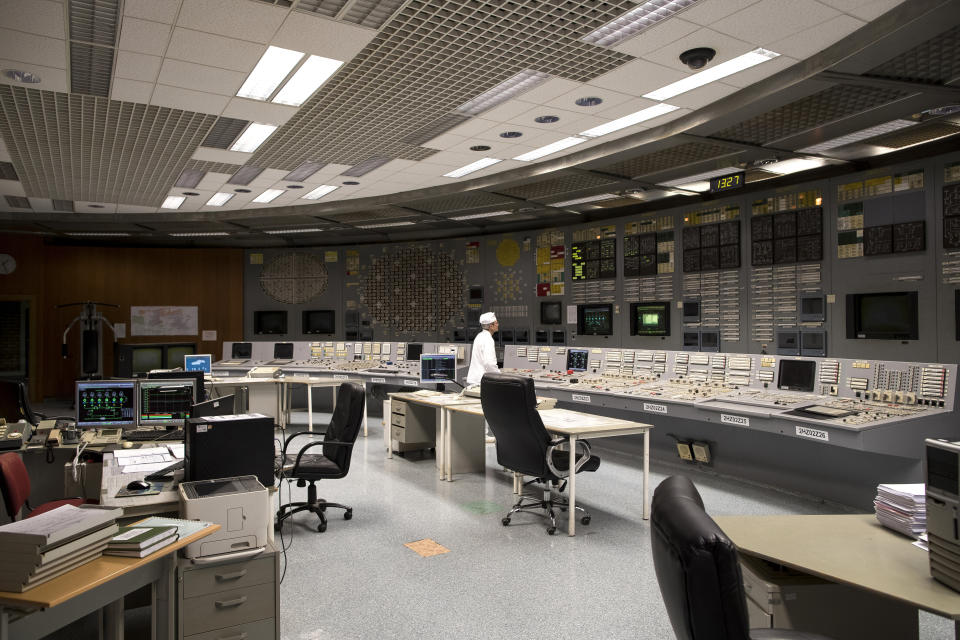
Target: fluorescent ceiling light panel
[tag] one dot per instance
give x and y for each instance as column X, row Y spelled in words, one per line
column 253, row 137
column 697, row 177
column 382, row 225
column 857, row 136
column 597, row 198
column 308, row 78
column 304, row 171
column 794, row 165
column 269, row 195
column 559, row 145
column 722, row 70
column 319, row 192
column 509, row 88
column 482, row 163
column 634, row 21
column 273, row 67
column 99, row 234
column 488, row 214
column 200, row 234
column 173, row 202
column 629, row 120
column 699, row 186
column 219, row 199
column 274, row 232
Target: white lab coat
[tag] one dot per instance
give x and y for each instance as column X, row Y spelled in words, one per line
column 483, row 359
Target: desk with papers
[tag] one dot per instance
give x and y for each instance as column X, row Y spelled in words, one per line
column 123, row 466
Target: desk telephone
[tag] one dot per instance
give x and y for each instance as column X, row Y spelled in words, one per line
column 12, row 436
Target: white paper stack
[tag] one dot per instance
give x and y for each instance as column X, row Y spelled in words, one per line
column 902, row 507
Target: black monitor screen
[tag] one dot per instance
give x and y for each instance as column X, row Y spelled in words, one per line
column 283, row 350
column 551, row 313
column 318, row 321
column 883, row 316
column 414, row 350
column 595, row 319
column 105, row 404
column 269, row 322
column 811, row 305
column 146, row 358
column 691, row 311
column 797, row 375
column 165, row 401
column 788, row 340
column 812, row 340
column 691, row 339
column 437, row 367
column 577, row 359
column 241, row 350
column 650, row 319
column 709, row 339
column 476, row 294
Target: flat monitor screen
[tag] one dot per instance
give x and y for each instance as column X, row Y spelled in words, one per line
column 438, row 367
column 691, row 311
column 269, row 322
column 476, row 294
column 283, row 350
column 595, row 319
column 106, row 403
column 650, row 319
column 241, row 350
column 165, row 402
column 319, row 321
column 551, row 313
column 788, row 340
column 222, row 406
column 811, row 308
column 577, row 359
column 414, row 350
column 797, row 375
column 506, row 336
column 197, row 362
column 883, row 316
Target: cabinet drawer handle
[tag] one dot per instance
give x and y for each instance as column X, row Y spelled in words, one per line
column 223, row 604
column 223, row 577
column 239, row 636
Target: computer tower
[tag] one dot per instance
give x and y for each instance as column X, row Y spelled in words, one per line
column 227, row 446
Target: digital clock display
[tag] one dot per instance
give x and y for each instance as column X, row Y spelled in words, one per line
column 726, row 183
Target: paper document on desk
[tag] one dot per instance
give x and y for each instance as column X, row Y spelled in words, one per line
column 146, row 463
column 902, row 507
column 176, row 450
column 562, row 417
column 122, row 454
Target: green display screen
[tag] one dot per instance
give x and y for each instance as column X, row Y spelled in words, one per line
column 650, row 319
column 728, row 182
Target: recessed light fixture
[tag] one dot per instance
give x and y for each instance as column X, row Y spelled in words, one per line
column 304, row 171
column 269, row 195
column 698, row 177
column 294, row 186
column 546, row 119
column 18, row 75
column 319, row 192
column 634, row 21
column 253, row 137
column 275, row 232
column 722, row 70
column 488, row 214
column 172, row 202
column 856, row 136
column 794, row 165
column 513, row 86
column 382, row 225
column 95, row 206
column 482, row 163
column 597, row 198
column 480, row 147
column 241, row 190
column 98, row 234
column 350, row 182
column 308, row 78
column 190, row 193
column 273, row 67
column 559, row 145
column 589, row 101
column 510, row 134
column 629, row 120
column 219, row 199
column 199, row 234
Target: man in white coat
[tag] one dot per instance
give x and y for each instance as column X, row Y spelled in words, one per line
column 483, row 359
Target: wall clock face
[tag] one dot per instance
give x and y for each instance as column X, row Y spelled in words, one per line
column 7, row 264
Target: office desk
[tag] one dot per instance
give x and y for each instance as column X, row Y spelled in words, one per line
column 99, row 584
column 850, row 549
column 448, row 446
column 310, row 383
column 574, row 425
column 112, row 480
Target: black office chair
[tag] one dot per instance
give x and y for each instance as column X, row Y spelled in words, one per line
column 334, row 460
column 699, row 571
column 524, row 446
column 15, row 404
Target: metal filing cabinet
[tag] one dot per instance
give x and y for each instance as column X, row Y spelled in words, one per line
column 411, row 427
column 229, row 599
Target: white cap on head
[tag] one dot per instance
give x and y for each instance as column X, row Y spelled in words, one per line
column 487, row 318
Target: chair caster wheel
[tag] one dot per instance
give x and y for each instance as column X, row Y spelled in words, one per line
column 277, row 526
column 585, row 520
column 505, row 521
column 551, row 531
column 348, row 514
column 322, row 527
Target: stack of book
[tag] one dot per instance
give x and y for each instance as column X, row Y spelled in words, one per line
column 902, row 507
column 41, row 548
column 139, row 541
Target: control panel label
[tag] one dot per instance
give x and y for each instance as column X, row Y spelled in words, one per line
column 654, row 408
column 340, row 376
column 816, row 434
column 378, row 380
column 740, row 421
column 410, row 383
column 579, row 397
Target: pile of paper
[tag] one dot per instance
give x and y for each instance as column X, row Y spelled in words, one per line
column 902, row 507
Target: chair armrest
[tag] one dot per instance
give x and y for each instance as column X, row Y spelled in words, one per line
column 313, row 444
column 298, row 434
column 583, row 456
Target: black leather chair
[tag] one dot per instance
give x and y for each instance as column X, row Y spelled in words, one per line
column 699, row 571
column 311, row 463
column 15, row 404
column 524, row 445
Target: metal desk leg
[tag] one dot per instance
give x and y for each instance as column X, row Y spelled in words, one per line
column 310, row 407
column 448, row 447
column 387, row 412
column 111, row 618
column 646, row 474
column 365, row 412
column 441, row 442
column 572, row 488
column 164, row 603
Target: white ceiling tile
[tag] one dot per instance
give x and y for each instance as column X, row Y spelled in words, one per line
column 51, row 78
column 41, row 204
column 429, row 169
column 492, row 134
column 703, row 96
column 221, row 155
column 772, row 20
column 39, row 17
column 815, row 39
column 445, row 141
column 213, row 182
column 257, row 111
column 144, row 36
column 548, row 90
column 507, row 111
column 657, row 36
column 254, row 21
column 210, row 49
column 870, row 10
column 156, row 10
column 180, row 98
column 131, row 90
column 137, row 66
column 472, row 127
column 726, row 47
column 568, row 101
column 322, row 37
column 177, row 73
column 526, row 121
column 621, row 109
column 759, row 72
column 708, row 12
column 638, row 77
column 28, row 49
column 12, row 188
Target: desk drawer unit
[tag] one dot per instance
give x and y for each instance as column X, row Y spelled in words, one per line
column 228, row 608
column 398, row 420
column 259, row 630
column 398, row 406
column 228, row 576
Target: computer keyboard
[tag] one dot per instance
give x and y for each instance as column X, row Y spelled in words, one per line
column 176, row 434
column 141, row 435
column 166, row 473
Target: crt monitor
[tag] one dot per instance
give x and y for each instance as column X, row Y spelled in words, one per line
column 437, row 367
column 269, row 322
column 797, row 375
column 414, row 350
column 198, row 362
column 650, row 319
column 242, row 350
column 577, row 359
column 165, row 402
column 222, row 406
column 283, row 350
column 551, row 312
column 102, row 403
column 318, row 321
column 145, row 358
column 595, row 319
column 883, row 316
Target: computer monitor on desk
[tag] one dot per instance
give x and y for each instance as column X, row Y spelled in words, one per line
column 106, row 403
column 199, row 392
column 438, row 367
column 198, row 362
column 166, row 402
